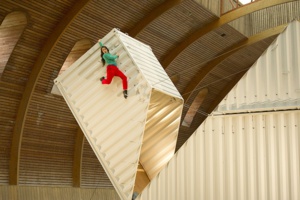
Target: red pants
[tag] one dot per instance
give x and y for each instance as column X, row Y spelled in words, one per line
column 112, row 71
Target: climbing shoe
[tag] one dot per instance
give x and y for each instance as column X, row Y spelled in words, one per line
column 125, row 94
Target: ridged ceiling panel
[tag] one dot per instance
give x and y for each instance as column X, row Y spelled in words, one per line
column 117, row 128
column 265, row 19
column 182, row 19
column 273, row 81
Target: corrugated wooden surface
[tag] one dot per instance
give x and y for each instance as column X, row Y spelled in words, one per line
column 50, row 193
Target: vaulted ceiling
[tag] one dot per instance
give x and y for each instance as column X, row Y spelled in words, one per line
column 204, row 52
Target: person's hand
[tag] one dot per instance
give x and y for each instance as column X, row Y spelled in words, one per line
column 99, row 40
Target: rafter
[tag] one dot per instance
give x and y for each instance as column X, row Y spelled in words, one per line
column 201, row 74
column 224, row 19
column 78, row 158
column 154, row 14
column 29, row 89
column 189, row 116
column 225, row 91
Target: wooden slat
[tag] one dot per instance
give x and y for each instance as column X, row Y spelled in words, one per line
column 152, row 16
column 22, row 113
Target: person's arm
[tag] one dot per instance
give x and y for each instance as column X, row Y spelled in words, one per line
column 100, row 43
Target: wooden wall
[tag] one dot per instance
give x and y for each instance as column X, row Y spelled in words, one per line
column 213, row 6
column 51, row 193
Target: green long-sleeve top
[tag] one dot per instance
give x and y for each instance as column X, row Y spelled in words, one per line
column 109, row 58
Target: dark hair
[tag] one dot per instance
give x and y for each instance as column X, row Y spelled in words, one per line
column 102, row 59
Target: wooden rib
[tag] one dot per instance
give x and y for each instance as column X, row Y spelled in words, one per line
column 225, row 91
column 211, row 64
column 189, row 116
column 28, row 93
column 224, row 19
column 152, row 16
column 78, row 150
column 11, row 29
column 141, row 179
column 175, row 79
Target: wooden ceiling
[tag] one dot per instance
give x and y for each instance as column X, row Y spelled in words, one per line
column 40, row 141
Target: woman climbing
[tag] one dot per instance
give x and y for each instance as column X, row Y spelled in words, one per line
column 111, row 68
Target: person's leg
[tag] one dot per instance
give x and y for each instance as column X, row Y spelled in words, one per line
column 123, row 77
column 109, row 75
column 124, row 81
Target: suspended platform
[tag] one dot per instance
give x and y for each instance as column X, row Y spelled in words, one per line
column 133, row 138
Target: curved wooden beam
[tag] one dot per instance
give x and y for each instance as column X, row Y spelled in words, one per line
column 29, row 89
column 189, row 116
column 225, row 91
column 153, row 15
column 78, row 150
column 224, row 19
column 211, row 64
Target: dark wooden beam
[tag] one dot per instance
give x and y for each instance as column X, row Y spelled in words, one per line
column 225, row 91
column 224, row 19
column 29, row 89
column 189, row 116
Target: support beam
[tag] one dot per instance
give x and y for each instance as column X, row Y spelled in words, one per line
column 224, row 19
column 77, row 164
column 222, row 94
column 154, row 14
column 29, row 89
column 189, row 116
column 175, row 79
column 225, row 91
column 201, row 74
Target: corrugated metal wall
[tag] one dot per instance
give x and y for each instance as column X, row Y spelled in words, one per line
column 273, row 82
column 118, row 129
column 245, row 156
column 250, row 156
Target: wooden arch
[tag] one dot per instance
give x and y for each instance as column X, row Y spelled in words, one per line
column 29, row 89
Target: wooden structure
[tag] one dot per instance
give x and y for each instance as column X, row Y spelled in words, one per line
column 40, row 140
